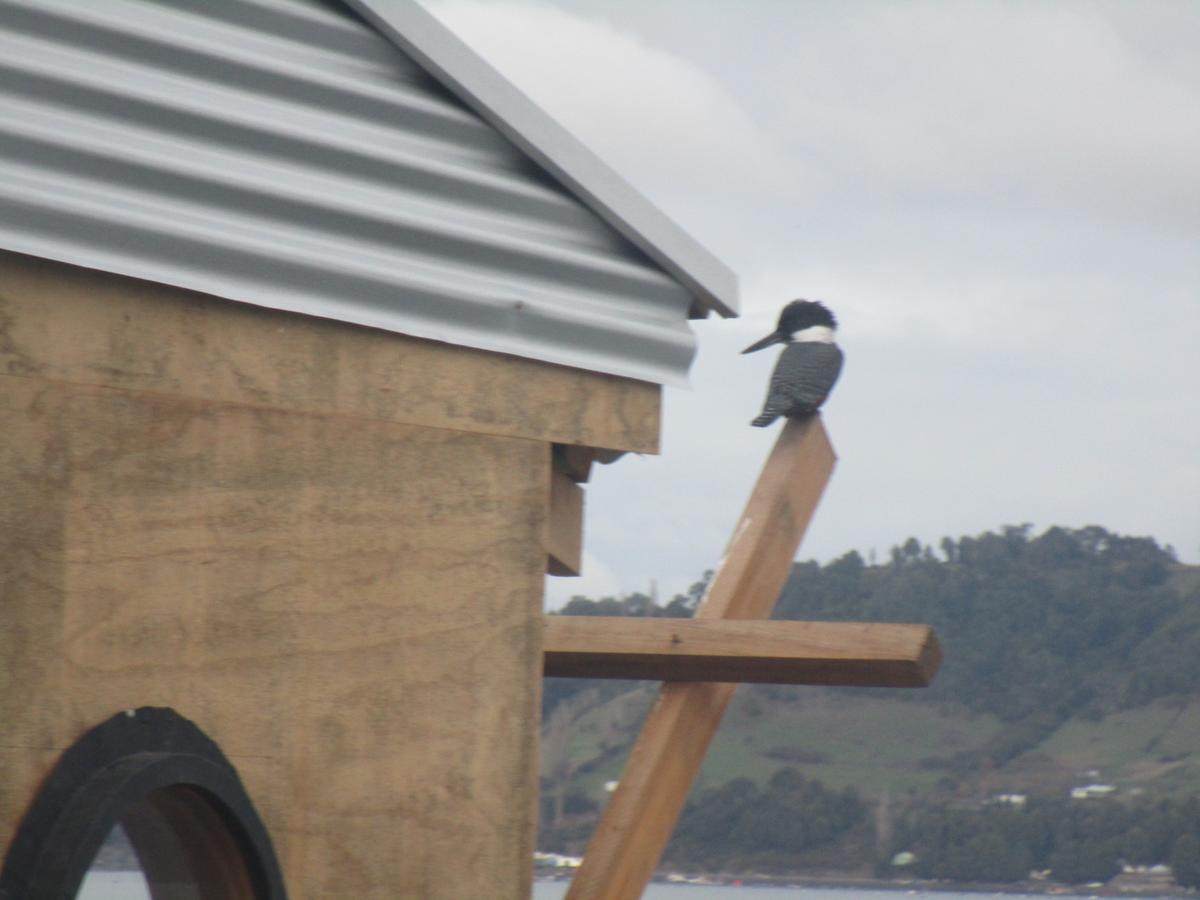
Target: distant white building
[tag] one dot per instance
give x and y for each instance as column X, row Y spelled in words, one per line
column 1010, row 799
column 557, row 860
column 1092, row 791
column 1156, row 869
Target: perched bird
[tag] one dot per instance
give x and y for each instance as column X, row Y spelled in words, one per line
column 809, row 365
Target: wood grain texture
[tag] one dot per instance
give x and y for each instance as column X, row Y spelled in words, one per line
column 829, row 653
column 638, row 820
column 575, row 461
column 76, row 325
column 564, row 528
column 350, row 609
column 251, row 518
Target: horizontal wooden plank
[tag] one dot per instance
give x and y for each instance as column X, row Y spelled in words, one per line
column 741, row 650
column 68, row 324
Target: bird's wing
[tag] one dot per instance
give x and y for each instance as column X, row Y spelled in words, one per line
column 806, row 372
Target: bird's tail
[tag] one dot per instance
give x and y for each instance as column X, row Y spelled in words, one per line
column 765, row 419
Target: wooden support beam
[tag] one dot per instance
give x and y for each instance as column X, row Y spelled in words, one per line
column 575, row 460
column 638, row 820
column 740, row 650
column 564, row 526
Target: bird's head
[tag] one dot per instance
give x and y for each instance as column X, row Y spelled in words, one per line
column 797, row 316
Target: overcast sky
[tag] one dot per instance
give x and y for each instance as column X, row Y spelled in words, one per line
column 999, row 200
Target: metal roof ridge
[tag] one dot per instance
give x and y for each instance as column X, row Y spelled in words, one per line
column 449, row 60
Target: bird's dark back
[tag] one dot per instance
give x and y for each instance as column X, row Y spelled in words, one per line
column 806, row 373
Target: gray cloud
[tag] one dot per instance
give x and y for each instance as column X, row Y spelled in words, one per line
column 1001, row 202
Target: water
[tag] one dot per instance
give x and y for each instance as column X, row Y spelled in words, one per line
column 98, row 885
column 131, row 886
column 545, row 890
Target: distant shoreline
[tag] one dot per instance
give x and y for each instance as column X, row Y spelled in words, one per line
column 849, row 882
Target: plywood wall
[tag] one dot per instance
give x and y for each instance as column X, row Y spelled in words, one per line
column 322, row 544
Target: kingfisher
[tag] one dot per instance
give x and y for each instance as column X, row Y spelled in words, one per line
column 809, row 365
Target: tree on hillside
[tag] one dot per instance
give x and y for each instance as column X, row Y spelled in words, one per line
column 1185, row 860
column 556, row 762
column 988, row 857
column 771, row 826
column 1084, row 861
column 1034, row 628
column 1137, row 848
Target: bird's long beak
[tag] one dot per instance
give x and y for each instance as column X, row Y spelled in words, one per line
column 775, row 337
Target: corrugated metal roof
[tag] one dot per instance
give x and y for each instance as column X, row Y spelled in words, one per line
column 285, row 153
column 440, row 52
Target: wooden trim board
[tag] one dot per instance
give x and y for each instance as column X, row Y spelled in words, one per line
column 564, row 526
column 829, row 653
column 72, row 325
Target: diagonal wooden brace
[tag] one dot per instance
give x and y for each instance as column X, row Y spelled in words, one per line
column 641, row 814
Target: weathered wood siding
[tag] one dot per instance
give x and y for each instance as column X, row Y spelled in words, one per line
column 322, row 544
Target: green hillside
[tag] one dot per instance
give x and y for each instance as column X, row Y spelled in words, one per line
column 1071, row 658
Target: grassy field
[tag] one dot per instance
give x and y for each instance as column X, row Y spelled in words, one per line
column 866, row 742
column 843, row 740
column 873, row 743
column 1135, row 748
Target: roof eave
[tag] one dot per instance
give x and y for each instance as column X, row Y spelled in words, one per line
column 477, row 84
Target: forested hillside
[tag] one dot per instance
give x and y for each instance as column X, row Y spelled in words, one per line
column 1071, row 657
column 1070, row 622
